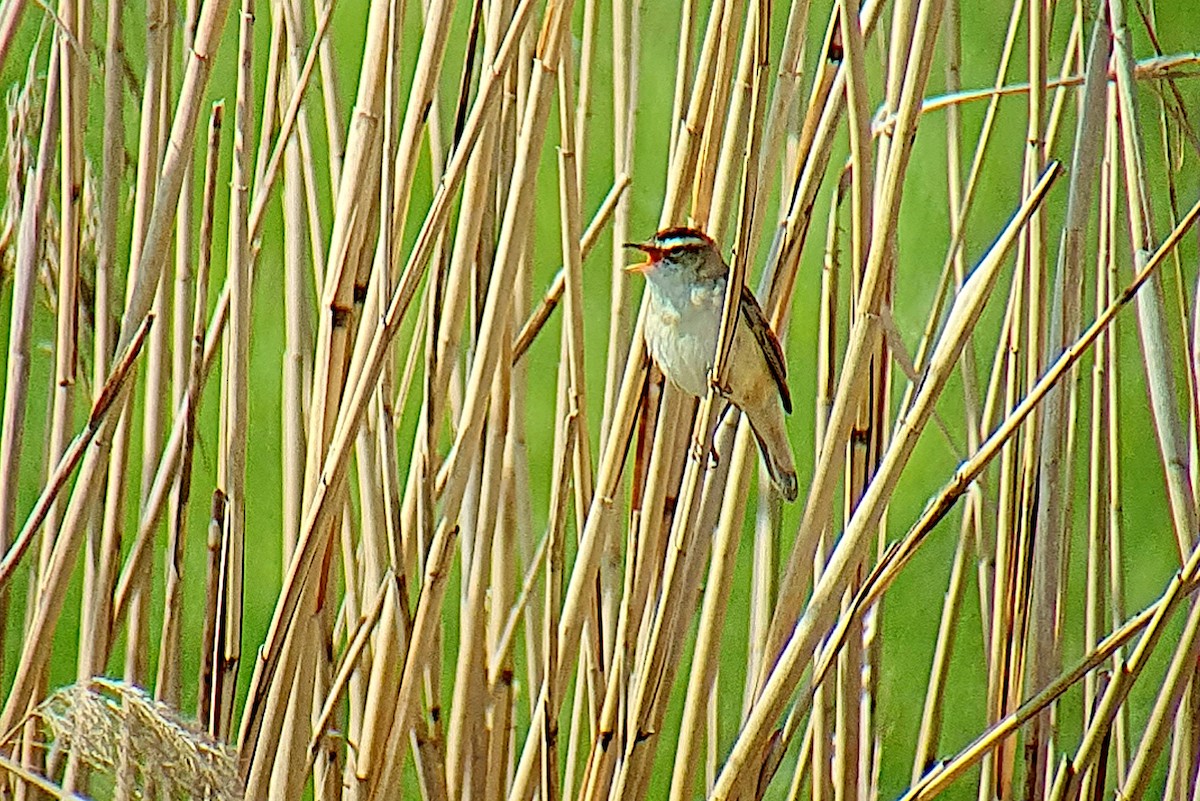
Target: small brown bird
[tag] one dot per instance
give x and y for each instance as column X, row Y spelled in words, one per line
column 687, row 279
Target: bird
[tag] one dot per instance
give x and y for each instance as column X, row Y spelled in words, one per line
column 686, row 278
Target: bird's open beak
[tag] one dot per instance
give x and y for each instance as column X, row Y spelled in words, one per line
column 653, row 255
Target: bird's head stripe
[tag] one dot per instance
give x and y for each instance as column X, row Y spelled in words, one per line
column 672, row 238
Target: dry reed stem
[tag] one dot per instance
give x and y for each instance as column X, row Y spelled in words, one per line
column 625, row 42
column 198, row 364
column 948, row 770
column 27, row 259
column 658, row 653
column 37, row 780
column 712, row 618
column 149, row 267
column 784, row 675
column 937, row 508
column 538, row 318
column 70, row 459
column 336, row 460
column 18, row 364
column 862, row 344
column 231, row 466
column 1152, row 325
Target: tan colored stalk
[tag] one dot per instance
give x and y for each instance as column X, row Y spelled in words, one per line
column 1119, row 687
column 272, row 88
column 464, row 736
column 16, row 385
column 683, row 71
column 865, row 444
column 819, row 128
column 149, row 263
column 172, row 459
column 823, row 707
column 1181, row 585
column 137, row 618
column 624, row 80
column 573, row 242
column 451, row 289
column 1042, row 654
column 421, row 95
column 1168, row 427
column 705, row 188
column 497, row 309
column 514, row 526
column 787, row 83
column 686, row 555
column 168, row 683
column 10, row 20
column 965, row 201
column 555, row 570
column 784, row 677
column 583, row 104
column 701, row 682
column 670, row 440
column 334, row 118
column 539, row 316
column 66, row 339
column 355, row 667
column 18, row 361
column 169, row 678
column 949, row 770
column 1146, row 69
column 1054, row 457
column 169, row 463
column 1005, row 593
column 356, row 196
column 292, row 115
column 1152, row 326
column 972, row 523
column 150, row 151
column 297, row 338
column 366, row 558
column 75, row 452
column 661, row 647
column 56, row 393
column 1107, row 262
column 862, row 342
column 588, row 555
column 337, row 459
column 355, row 647
column 733, row 138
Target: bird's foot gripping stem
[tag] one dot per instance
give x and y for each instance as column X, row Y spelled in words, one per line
column 697, row 452
column 723, row 389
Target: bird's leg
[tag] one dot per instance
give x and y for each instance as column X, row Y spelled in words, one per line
column 697, row 449
column 714, row 380
column 716, row 456
column 697, row 452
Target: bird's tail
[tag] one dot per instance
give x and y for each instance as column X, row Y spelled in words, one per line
column 777, row 455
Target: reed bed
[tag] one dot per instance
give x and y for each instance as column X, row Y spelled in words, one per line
column 333, row 464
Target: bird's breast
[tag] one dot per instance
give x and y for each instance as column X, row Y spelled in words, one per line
column 681, row 334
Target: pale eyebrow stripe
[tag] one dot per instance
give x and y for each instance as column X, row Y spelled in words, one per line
column 680, row 242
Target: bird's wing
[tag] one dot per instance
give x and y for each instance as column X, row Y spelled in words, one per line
column 768, row 343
